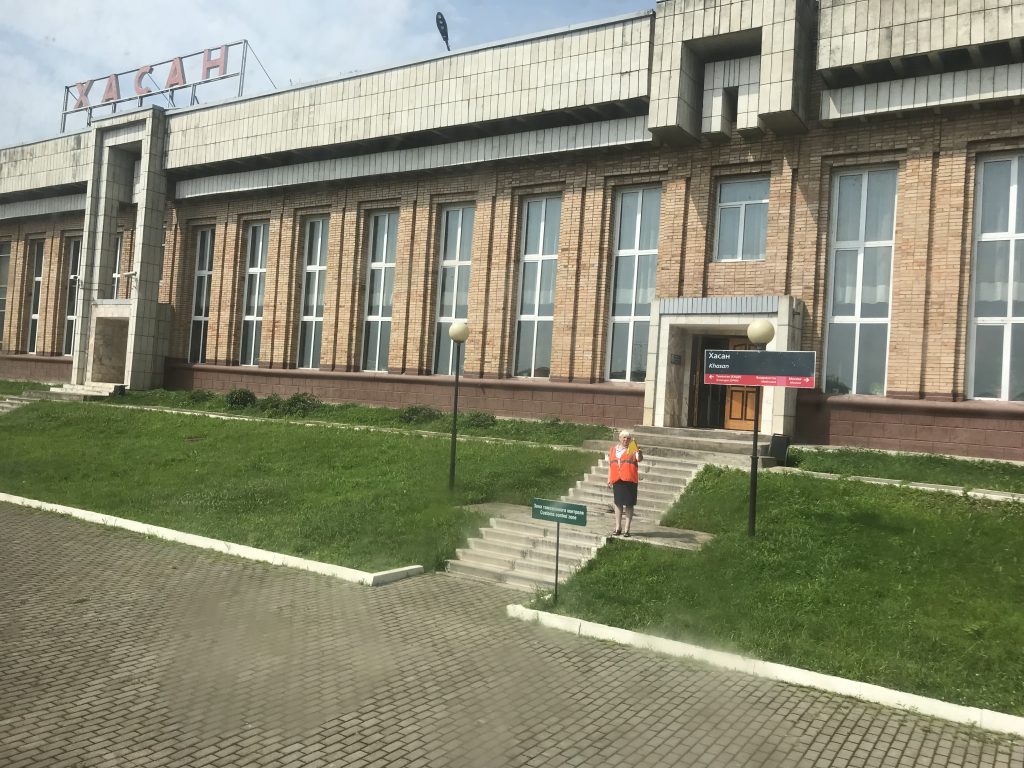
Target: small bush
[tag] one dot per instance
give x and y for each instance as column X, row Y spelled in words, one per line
column 551, row 420
column 200, row 396
column 418, row 414
column 240, row 399
column 272, row 405
column 301, row 404
column 479, row 419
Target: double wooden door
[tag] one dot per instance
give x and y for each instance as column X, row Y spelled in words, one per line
column 740, row 401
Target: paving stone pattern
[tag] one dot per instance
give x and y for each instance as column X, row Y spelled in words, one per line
column 118, row 650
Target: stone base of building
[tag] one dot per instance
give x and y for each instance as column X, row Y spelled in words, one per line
column 54, row 370
column 981, row 429
column 615, row 405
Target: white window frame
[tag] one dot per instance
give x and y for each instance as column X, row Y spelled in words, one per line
column 74, row 246
column 454, row 265
column 116, row 274
column 632, row 319
column 316, row 233
column 858, row 245
column 251, row 356
column 205, row 244
column 382, row 267
column 36, row 255
column 1008, row 321
column 742, row 206
column 5, row 256
column 540, row 259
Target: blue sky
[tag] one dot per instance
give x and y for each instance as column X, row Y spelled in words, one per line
column 48, row 44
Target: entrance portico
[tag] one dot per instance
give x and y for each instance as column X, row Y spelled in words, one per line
column 682, row 329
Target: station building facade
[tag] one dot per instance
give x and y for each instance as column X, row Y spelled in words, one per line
column 601, row 203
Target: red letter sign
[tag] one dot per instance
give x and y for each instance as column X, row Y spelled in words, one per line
column 139, row 89
column 176, row 77
column 83, row 94
column 113, row 90
column 220, row 64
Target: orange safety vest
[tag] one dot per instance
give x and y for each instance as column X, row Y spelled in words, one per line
column 624, row 469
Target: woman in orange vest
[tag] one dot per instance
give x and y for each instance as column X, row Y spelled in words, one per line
column 623, row 478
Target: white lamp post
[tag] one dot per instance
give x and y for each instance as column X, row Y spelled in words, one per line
column 457, row 332
column 760, row 332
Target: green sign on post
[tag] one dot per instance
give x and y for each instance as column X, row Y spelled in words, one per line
column 560, row 512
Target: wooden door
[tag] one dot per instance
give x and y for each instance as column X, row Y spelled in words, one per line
column 739, row 401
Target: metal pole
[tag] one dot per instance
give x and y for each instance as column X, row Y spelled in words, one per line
column 752, row 516
column 558, row 543
column 455, row 419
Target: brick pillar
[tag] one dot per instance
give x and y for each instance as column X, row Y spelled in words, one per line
column 16, row 315
column 671, row 233
column 593, row 280
column 222, row 341
column 567, row 282
column 414, row 291
column 499, row 331
column 695, row 239
column 481, row 292
column 49, row 296
column 336, row 262
column 351, row 283
column 277, row 340
column 410, row 218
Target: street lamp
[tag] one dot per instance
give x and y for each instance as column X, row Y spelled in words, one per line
column 760, row 332
column 457, row 332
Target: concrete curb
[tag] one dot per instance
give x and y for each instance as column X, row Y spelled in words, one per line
column 956, row 490
column 957, row 713
column 226, row 547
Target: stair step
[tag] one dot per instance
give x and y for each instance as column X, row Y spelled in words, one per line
column 502, row 551
column 517, row 542
column 485, row 573
column 648, row 490
column 570, row 534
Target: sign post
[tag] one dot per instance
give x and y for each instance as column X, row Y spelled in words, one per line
column 559, row 512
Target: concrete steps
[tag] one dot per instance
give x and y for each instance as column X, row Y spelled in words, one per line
column 9, row 402
column 73, row 392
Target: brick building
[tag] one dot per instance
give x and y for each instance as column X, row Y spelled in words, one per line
column 601, row 204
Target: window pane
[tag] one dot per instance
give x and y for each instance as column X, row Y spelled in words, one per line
column 257, row 331
column 992, row 279
column 380, row 231
column 552, row 225
column 534, row 213
column 1016, row 362
column 743, row 191
column 305, row 343
column 447, row 292
column 5, row 262
column 755, row 231
column 628, row 202
column 466, row 243
column 392, row 237
column 528, row 302
column 1020, row 194
column 442, row 349
column 728, row 234
column 638, row 364
column 988, row 361
column 382, row 347
column 72, row 299
column 451, row 235
column 839, row 357
column 645, row 285
column 389, row 290
column 995, row 197
column 32, row 335
column 542, row 352
column 312, row 242
column 370, row 346
column 844, row 284
column 317, row 329
column 650, row 219
column 69, row 332
column 848, row 215
column 373, row 292
column 309, row 295
column 247, row 331
column 546, row 298
column 623, row 293
column 871, row 360
column 197, row 354
column 620, row 349
column 879, row 218
column 462, row 297
column 1018, row 278
column 874, row 296
column 197, row 305
column 524, row 349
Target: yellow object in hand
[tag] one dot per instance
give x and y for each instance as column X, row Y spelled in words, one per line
column 633, row 447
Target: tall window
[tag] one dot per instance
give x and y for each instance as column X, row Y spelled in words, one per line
column 201, row 296
column 255, row 281
column 538, row 265
column 379, row 288
column 5, row 266
column 863, row 227
column 74, row 247
column 116, row 275
column 315, row 274
column 35, row 259
column 997, row 307
column 453, row 296
column 637, row 217
column 741, row 230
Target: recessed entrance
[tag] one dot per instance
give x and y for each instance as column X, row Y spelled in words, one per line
column 714, row 406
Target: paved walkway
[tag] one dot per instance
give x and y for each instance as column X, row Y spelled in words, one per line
column 117, row 650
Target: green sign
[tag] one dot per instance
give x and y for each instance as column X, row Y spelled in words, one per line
column 560, row 512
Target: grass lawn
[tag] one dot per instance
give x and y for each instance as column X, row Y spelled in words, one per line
column 17, row 387
column 881, row 584
column 918, row 468
column 546, row 431
column 366, row 500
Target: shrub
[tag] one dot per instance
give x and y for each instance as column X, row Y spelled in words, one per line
column 272, row 405
column 417, row 414
column 200, row 396
column 301, row 404
column 479, row 419
column 239, row 399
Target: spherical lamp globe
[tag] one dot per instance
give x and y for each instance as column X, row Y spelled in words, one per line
column 761, row 331
column 458, row 331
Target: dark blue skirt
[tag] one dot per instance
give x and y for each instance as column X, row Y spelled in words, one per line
column 625, row 493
